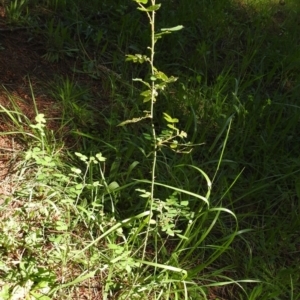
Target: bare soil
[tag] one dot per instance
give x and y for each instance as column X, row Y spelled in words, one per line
column 21, row 68
column 25, row 76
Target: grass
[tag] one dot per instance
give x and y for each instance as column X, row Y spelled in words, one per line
column 223, row 222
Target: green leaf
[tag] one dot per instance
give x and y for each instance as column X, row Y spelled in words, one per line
column 146, row 93
column 40, row 118
column 77, row 280
column 164, row 267
column 39, row 296
column 172, row 127
column 150, row 8
column 28, row 155
column 184, row 203
column 113, row 186
column 137, row 58
column 162, row 76
column 142, row 81
column 76, row 170
column 61, row 226
column 182, row 236
column 79, row 186
column 141, row 1
column 4, row 293
column 146, row 99
column 176, row 28
column 169, row 119
column 100, row 157
column 183, row 134
column 159, row 35
column 144, row 193
column 174, row 145
column 172, row 79
column 81, row 156
column 118, row 249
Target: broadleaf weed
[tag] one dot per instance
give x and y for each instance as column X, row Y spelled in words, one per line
column 169, row 217
column 133, row 214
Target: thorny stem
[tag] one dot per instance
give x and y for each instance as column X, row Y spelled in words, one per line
column 153, row 94
column 151, row 17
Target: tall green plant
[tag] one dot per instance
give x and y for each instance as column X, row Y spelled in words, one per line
column 158, row 82
column 171, row 216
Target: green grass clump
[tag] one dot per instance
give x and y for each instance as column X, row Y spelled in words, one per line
column 197, row 194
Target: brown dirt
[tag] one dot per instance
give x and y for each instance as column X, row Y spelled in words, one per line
column 23, row 70
column 20, row 66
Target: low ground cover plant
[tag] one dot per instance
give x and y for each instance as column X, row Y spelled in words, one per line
column 182, row 186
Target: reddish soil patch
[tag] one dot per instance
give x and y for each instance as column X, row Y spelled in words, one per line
column 20, row 67
column 23, row 70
